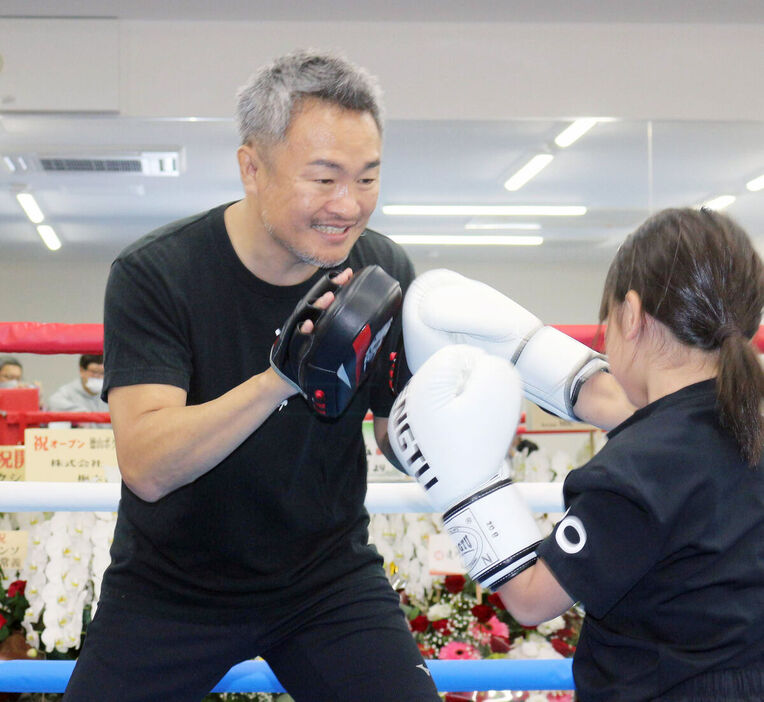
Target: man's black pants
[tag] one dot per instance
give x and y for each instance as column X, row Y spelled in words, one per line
column 352, row 645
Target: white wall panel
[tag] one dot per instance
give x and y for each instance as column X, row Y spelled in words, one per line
column 56, row 65
column 464, row 70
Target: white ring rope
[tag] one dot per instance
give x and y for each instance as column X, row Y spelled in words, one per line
column 388, row 498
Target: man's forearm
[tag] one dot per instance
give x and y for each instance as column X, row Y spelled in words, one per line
column 168, row 446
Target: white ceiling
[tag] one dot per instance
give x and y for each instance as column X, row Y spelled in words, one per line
column 621, row 170
column 644, row 11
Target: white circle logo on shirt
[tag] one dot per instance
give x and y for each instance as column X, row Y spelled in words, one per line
column 567, row 529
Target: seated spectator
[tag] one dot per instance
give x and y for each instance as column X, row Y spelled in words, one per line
column 11, row 372
column 84, row 393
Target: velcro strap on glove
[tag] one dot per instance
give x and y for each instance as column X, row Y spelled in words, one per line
column 328, row 365
column 495, row 533
column 554, row 367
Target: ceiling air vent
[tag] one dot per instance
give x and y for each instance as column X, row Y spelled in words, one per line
column 147, row 163
column 91, row 165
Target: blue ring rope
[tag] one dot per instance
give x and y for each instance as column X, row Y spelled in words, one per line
column 256, row 676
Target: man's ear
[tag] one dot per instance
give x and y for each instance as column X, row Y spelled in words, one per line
column 631, row 315
column 250, row 165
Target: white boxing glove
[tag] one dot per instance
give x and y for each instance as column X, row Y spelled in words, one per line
column 451, row 428
column 443, row 307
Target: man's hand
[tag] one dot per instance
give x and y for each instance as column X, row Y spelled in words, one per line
column 326, row 350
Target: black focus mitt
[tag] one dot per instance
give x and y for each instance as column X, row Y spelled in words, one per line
column 327, row 365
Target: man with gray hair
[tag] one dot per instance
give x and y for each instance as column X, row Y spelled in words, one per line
column 241, row 528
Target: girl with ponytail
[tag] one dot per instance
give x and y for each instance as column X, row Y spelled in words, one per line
column 663, row 538
column 700, row 286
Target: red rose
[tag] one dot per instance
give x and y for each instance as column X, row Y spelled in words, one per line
column 419, row 623
column 3, row 621
column 455, row 583
column 564, row 633
column 495, row 600
column 562, row 648
column 17, row 587
column 442, row 626
column 482, row 612
column 500, row 644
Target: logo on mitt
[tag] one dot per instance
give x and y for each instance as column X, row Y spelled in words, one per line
column 328, row 365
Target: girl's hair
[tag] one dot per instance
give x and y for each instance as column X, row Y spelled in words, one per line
column 697, row 272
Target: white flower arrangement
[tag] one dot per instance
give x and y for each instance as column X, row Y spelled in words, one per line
column 66, row 557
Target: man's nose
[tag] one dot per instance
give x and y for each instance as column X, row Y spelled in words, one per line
column 345, row 203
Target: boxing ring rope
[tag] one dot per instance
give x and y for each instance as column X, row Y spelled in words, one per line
column 44, row 338
column 256, row 676
column 253, row 676
column 385, row 498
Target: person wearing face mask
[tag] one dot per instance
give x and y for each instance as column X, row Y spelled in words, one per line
column 11, row 372
column 12, row 376
column 82, row 394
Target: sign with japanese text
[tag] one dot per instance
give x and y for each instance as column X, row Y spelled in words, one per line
column 11, row 464
column 537, row 419
column 69, row 455
column 13, row 549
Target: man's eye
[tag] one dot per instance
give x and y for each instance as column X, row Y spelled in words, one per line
column 324, row 181
column 367, row 181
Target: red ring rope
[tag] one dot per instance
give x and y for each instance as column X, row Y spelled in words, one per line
column 39, row 337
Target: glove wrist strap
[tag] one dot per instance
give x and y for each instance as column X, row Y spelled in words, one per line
column 554, row 367
column 495, row 533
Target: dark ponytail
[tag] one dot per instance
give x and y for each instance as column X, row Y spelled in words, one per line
column 697, row 272
column 740, row 387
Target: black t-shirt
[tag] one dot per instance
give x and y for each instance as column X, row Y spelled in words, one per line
column 282, row 517
column 663, row 544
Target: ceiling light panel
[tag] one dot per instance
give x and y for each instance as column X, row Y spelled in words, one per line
column 524, row 226
column 528, row 171
column 756, row 184
column 575, row 131
column 49, row 237
column 465, row 240
column 719, row 203
column 485, row 210
column 30, row 207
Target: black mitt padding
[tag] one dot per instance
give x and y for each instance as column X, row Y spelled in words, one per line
column 327, row 365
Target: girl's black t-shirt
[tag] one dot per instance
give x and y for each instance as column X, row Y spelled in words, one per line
column 663, row 544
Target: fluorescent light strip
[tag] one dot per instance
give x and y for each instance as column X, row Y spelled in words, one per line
column 719, row 203
column 574, row 131
column 528, row 171
column 756, row 184
column 527, row 226
column 9, row 164
column 30, row 207
column 466, row 240
column 485, row 210
column 49, row 237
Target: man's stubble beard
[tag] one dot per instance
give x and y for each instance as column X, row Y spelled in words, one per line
column 303, row 256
